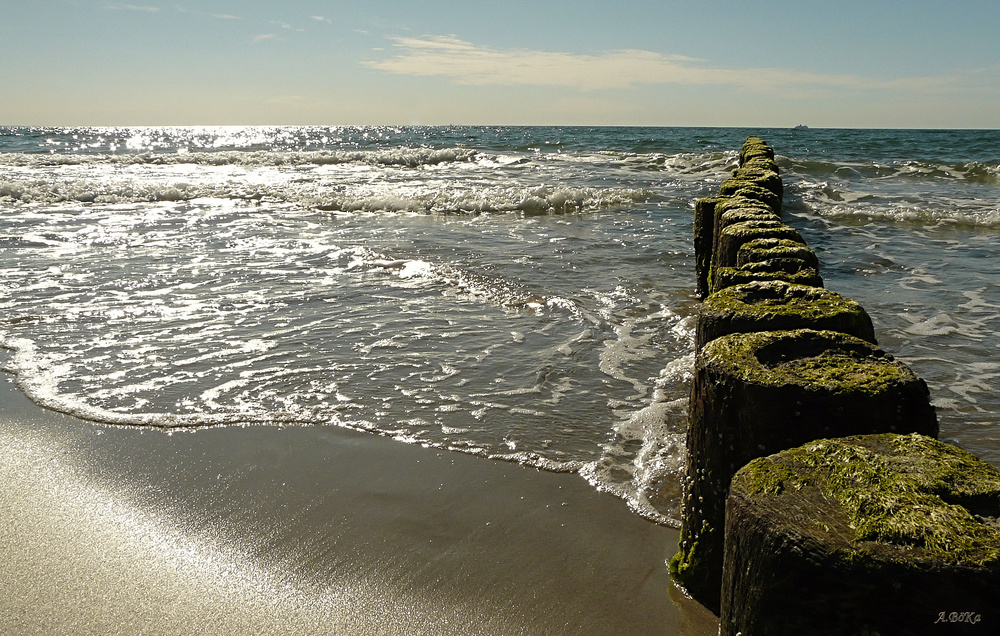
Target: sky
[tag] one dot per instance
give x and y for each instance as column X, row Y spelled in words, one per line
column 843, row 63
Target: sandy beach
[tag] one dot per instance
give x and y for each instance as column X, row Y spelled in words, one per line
column 310, row 530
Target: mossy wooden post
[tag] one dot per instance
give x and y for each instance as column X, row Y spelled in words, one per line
column 755, row 147
column 750, row 190
column 755, row 394
column 767, row 249
column 761, row 176
column 731, row 237
column 704, row 240
column 713, row 214
column 771, row 259
column 791, row 270
column 876, row 534
column 766, row 306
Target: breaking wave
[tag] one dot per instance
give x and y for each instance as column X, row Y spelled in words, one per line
column 401, row 157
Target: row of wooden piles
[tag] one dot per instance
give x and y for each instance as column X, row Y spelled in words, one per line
column 817, row 499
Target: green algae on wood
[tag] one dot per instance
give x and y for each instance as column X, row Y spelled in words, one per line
column 762, row 163
column 816, row 360
column 750, row 190
column 780, row 305
column 739, row 202
column 757, row 393
column 729, row 210
column 878, row 532
column 766, row 249
column 761, row 177
column 728, row 216
column 704, row 240
column 755, row 147
column 733, row 236
column 789, row 270
column 730, row 238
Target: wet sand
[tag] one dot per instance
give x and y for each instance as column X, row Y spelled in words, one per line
column 310, row 530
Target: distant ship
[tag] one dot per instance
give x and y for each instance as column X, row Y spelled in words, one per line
column 801, row 127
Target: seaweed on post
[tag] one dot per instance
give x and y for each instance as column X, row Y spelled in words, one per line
column 757, row 393
column 874, row 533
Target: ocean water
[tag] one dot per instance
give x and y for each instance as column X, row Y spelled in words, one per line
column 523, row 294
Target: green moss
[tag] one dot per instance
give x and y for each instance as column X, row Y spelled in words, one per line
column 780, row 298
column 754, row 172
column 797, row 273
column 761, row 162
column 755, row 147
column 681, row 562
column 909, row 491
column 752, row 230
column 774, row 265
column 767, row 249
column 827, row 360
column 764, row 178
column 739, row 215
column 738, row 202
column 769, row 305
column 750, row 190
column 731, row 237
column 688, row 567
column 764, row 477
column 842, row 371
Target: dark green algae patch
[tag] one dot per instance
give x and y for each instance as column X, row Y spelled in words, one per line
column 780, row 305
column 755, row 147
column 767, row 249
column 737, row 201
column 905, row 498
column 789, row 270
column 776, row 304
column 827, row 360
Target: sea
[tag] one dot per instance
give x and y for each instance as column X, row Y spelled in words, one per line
column 523, row 294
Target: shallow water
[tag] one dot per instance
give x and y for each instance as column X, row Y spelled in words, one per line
column 517, row 293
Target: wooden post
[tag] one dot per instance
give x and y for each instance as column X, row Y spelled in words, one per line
column 778, row 305
column 767, row 249
column 731, row 237
column 754, row 394
column 704, row 240
column 755, row 147
column 791, row 270
column 750, row 190
column 876, row 534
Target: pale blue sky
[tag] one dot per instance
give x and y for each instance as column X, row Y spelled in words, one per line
column 185, row 62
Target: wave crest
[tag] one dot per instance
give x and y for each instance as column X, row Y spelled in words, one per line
column 402, row 157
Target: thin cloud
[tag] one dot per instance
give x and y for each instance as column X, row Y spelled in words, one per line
column 216, row 16
column 264, row 37
column 285, row 26
column 467, row 63
column 320, row 18
column 131, row 7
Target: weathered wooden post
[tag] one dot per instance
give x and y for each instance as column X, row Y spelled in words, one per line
column 875, row 534
column 767, row 249
column 750, row 190
column 765, row 306
column 755, row 147
column 790, row 270
column 754, row 394
column 713, row 214
column 732, row 236
column 704, row 240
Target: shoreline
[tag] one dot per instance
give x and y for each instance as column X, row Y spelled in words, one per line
column 262, row 530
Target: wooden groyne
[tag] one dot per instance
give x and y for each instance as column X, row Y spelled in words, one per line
column 781, row 363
